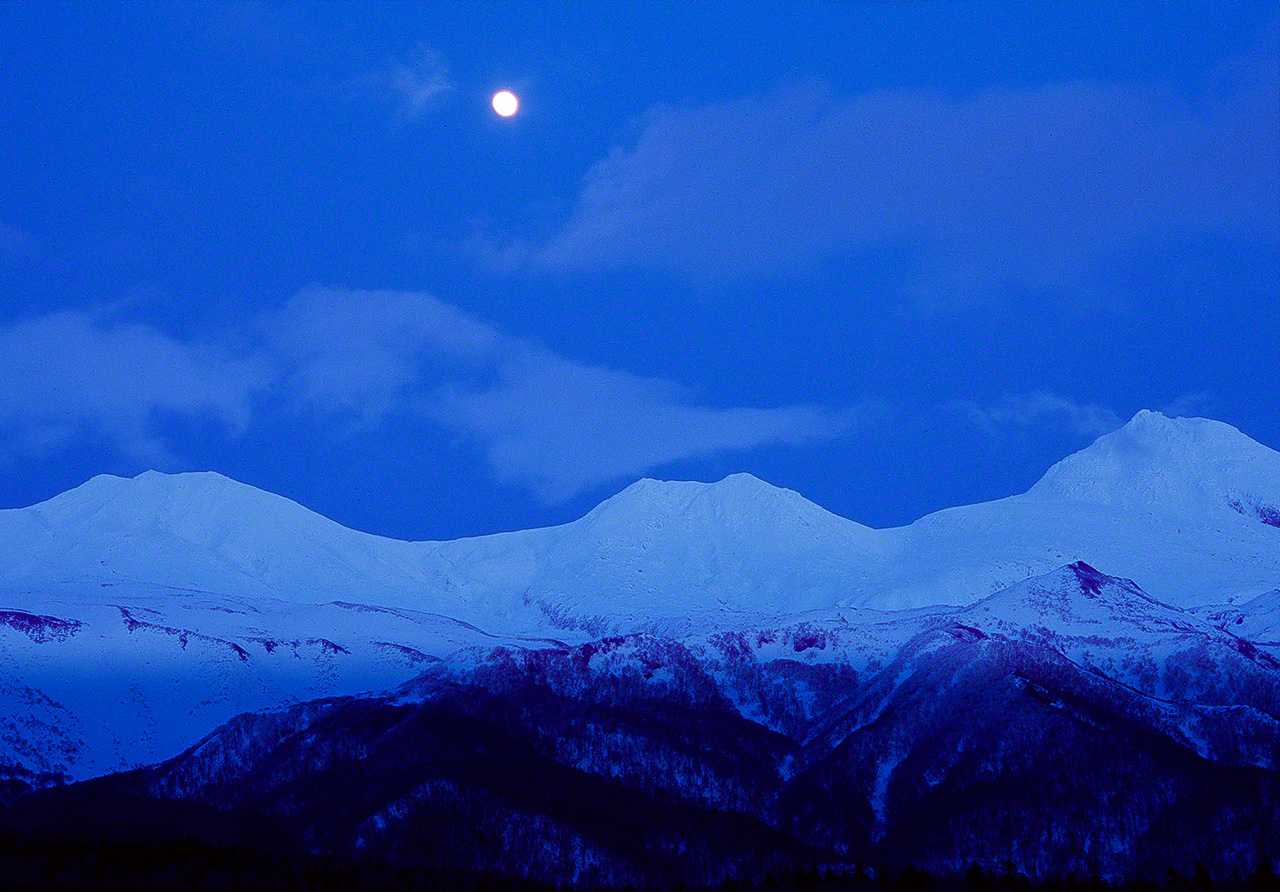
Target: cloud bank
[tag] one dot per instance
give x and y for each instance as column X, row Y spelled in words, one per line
column 1007, row 186
column 349, row 360
column 557, row 425
column 544, row 421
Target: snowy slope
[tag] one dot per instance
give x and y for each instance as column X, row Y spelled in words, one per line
column 1187, row 506
column 1258, row 619
column 196, row 531
column 1107, row 625
column 179, row 601
column 111, row 685
column 135, row 615
column 700, row 554
column 1071, row 722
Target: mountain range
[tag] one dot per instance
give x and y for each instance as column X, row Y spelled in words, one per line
column 688, row 683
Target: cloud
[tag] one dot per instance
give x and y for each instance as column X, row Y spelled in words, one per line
column 1039, row 409
column 1024, row 186
column 67, row 371
column 366, row 354
column 544, row 421
column 347, row 361
column 559, row 426
column 418, row 82
column 1192, row 404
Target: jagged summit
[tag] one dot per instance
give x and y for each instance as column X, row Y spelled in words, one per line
column 1090, row 578
column 1172, row 463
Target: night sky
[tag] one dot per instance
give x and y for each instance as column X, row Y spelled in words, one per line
column 894, row 256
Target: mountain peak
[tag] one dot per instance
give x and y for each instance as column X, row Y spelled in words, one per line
column 740, row 481
column 157, row 494
column 203, row 509
column 201, row 531
column 736, row 499
column 1191, row 463
column 1077, row 599
column 680, row 550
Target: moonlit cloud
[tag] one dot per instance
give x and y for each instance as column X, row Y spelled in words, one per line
column 543, row 421
column 366, row 354
column 1023, row 187
column 1197, row 403
column 559, row 426
column 66, row 372
column 419, row 81
column 348, row 361
column 1039, row 409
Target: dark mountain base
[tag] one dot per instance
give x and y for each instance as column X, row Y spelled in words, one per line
column 642, row 762
column 40, row 861
column 48, row 861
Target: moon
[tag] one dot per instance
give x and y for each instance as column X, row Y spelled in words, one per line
column 505, row 103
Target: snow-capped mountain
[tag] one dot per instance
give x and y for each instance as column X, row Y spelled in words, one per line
column 1186, row 506
column 1189, row 506
column 136, row 615
column 1068, row 723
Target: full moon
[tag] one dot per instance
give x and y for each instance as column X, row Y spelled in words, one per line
column 505, row 103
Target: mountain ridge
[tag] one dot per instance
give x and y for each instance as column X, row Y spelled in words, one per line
column 728, row 528
column 731, row 666
column 642, row 758
column 162, row 577
column 1095, row 473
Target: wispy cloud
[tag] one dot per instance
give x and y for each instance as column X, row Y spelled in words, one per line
column 1038, row 409
column 1196, row 402
column 345, row 360
column 363, row 355
column 418, row 82
column 1006, row 186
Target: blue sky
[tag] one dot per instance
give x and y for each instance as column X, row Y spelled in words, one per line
column 895, row 256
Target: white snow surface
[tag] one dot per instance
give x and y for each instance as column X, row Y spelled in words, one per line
column 198, row 597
